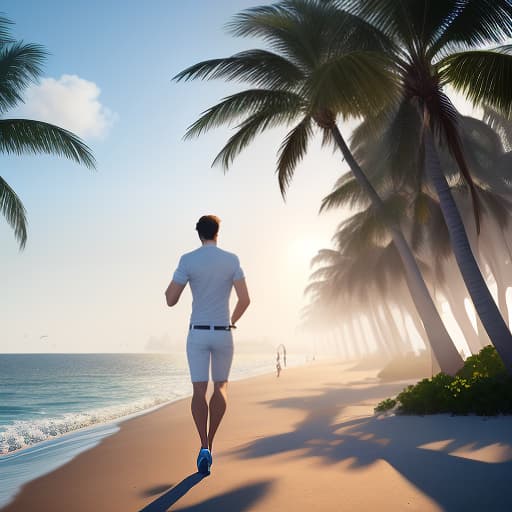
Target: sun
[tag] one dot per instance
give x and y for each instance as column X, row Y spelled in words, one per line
column 302, row 250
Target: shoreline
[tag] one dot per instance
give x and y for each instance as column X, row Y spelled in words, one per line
column 238, row 375
column 69, row 445
column 304, row 441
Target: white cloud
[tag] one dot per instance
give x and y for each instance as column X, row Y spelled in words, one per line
column 69, row 102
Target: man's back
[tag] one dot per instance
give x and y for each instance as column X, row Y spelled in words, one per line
column 210, row 272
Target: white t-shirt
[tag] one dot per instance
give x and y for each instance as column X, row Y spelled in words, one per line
column 211, row 272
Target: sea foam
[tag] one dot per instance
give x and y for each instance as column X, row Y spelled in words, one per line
column 23, row 434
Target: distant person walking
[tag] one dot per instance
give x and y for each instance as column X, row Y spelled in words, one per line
column 212, row 273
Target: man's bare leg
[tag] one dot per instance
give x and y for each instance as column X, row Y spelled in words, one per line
column 218, row 403
column 199, row 408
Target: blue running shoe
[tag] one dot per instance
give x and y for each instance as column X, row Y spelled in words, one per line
column 204, row 461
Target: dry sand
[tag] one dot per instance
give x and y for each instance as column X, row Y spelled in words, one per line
column 308, row 441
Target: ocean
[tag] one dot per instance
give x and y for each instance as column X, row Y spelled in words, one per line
column 54, row 406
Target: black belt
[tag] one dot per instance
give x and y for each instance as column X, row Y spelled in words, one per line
column 215, row 327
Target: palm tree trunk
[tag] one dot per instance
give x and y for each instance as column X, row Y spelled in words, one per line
column 353, row 338
column 484, row 303
column 461, row 317
column 380, row 338
column 442, row 345
column 416, row 320
column 497, row 245
column 363, row 343
column 388, row 337
column 396, row 337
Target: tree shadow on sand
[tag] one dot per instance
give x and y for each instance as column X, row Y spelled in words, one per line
column 163, row 503
column 454, row 482
column 238, row 500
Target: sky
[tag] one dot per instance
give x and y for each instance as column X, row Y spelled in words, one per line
column 102, row 245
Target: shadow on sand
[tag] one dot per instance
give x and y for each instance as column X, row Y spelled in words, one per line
column 237, row 500
column 163, row 503
column 451, row 480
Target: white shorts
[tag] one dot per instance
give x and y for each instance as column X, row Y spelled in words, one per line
column 205, row 344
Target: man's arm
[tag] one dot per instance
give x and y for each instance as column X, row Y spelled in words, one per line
column 173, row 292
column 243, row 300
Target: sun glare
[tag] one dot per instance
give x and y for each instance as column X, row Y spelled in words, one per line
column 302, row 250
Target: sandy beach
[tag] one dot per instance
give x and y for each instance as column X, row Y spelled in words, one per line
column 306, row 441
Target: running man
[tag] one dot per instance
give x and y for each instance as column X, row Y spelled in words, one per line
column 212, row 273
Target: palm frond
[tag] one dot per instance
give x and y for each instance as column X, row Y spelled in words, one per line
column 22, row 136
column 324, row 273
column 482, row 146
column 438, row 235
column 391, row 149
column 420, row 218
column 389, row 268
column 497, row 208
column 371, row 127
column 242, row 104
column 14, row 212
column 5, row 31
column 483, row 76
column 248, row 130
column 353, row 84
column 476, row 23
column 503, row 167
column 369, row 228
column 414, row 22
column 444, row 120
column 499, row 123
column 350, row 32
column 347, row 192
column 297, row 29
column 260, row 68
column 327, row 256
column 20, row 65
column 292, row 151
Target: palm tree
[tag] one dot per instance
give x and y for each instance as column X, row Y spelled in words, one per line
column 367, row 278
column 394, row 157
column 447, row 42
column 20, row 65
column 324, row 66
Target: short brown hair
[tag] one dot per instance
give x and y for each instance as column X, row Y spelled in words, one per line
column 208, row 227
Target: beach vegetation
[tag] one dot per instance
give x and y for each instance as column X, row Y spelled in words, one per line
column 20, row 66
column 481, row 387
column 386, row 405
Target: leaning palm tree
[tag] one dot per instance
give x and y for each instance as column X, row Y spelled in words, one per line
column 364, row 286
column 436, row 43
column 394, row 157
column 368, row 259
column 323, row 66
column 20, row 65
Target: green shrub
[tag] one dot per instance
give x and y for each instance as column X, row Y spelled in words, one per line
column 385, row 405
column 481, row 387
column 486, row 363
